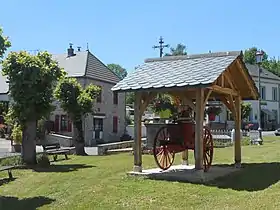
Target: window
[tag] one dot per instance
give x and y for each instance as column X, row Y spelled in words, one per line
column 97, row 124
column 115, row 124
column 63, row 123
column 263, row 97
column 99, row 97
column 274, row 94
column 116, row 97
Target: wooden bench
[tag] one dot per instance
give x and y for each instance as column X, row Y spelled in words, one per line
column 54, row 150
column 9, row 169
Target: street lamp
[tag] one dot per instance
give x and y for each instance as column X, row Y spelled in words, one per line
column 259, row 58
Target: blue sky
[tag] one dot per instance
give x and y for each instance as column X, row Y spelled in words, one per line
column 124, row 31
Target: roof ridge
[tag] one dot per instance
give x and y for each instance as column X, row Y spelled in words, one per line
column 194, row 56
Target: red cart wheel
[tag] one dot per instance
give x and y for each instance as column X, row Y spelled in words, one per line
column 163, row 156
column 208, row 148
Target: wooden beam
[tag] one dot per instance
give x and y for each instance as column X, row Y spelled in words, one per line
column 207, row 97
column 226, row 103
column 145, row 100
column 185, row 157
column 137, row 133
column 229, row 79
column 199, row 128
column 249, row 82
column 222, row 90
column 237, row 139
column 232, row 104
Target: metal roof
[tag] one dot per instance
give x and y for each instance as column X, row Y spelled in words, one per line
column 177, row 71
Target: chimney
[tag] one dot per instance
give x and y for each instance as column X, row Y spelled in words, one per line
column 70, row 50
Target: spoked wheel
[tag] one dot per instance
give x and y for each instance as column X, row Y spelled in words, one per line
column 164, row 157
column 208, row 148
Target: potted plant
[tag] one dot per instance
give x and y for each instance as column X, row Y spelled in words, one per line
column 186, row 114
column 212, row 112
column 16, row 138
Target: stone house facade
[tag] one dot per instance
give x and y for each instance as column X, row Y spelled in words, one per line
column 108, row 122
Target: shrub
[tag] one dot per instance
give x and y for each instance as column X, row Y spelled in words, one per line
column 2, row 132
column 17, row 134
column 11, row 161
column 43, row 160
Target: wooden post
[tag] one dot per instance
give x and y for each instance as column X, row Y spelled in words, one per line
column 237, row 139
column 137, row 134
column 199, row 112
column 185, row 157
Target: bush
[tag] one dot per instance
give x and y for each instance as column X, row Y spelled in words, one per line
column 11, row 161
column 43, row 160
column 17, row 134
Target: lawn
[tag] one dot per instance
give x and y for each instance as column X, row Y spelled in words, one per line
column 101, row 183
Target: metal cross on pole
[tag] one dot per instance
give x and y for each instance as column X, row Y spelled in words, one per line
column 161, row 46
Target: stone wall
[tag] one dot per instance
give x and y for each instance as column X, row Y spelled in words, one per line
column 64, row 141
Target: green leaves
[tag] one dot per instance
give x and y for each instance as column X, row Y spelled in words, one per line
column 31, row 83
column 4, row 43
column 118, row 70
column 74, row 99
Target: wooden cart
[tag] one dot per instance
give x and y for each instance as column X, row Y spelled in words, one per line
column 178, row 137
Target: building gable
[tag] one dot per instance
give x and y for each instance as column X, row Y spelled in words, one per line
column 97, row 70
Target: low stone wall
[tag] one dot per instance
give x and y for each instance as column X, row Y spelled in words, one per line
column 102, row 148
column 64, row 141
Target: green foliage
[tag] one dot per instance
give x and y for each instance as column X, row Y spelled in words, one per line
column 180, row 49
column 17, row 134
column 245, row 110
column 250, row 55
column 31, row 82
column 130, row 98
column 43, row 160
column 213, row 110
column 11, row 161
column 4, row 43
column 2, row 132
column 118, row 70
column 75, row 100
column 163, row 102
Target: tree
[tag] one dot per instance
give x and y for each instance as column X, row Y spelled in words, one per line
column 4, row 43
column 250, row 56
column 179, row 50
column 77, row 102
column 130, row 98
column 246, row 109
column 118, row 70
column 31, row 84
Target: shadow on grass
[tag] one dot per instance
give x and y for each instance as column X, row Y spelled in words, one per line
column 61, row 168
column 6, row 181
column 7, row 202
column 251, row 177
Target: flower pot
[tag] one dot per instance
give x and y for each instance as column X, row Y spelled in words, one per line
column 211, row 117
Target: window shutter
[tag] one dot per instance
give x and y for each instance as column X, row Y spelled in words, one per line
column 69, row 125
column 56, row 123
column 115, row 124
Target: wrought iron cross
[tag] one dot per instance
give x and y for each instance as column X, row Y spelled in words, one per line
column 161, row 46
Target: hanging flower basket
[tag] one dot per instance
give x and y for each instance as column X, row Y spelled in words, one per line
column 212, row 112
column 211, row 117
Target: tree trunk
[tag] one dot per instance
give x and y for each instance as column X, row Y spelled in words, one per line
column 28, row 151
column 79, row 139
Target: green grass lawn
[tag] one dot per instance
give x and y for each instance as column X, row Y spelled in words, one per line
column 101, row 183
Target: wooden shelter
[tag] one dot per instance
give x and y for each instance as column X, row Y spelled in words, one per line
column 195, row 79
